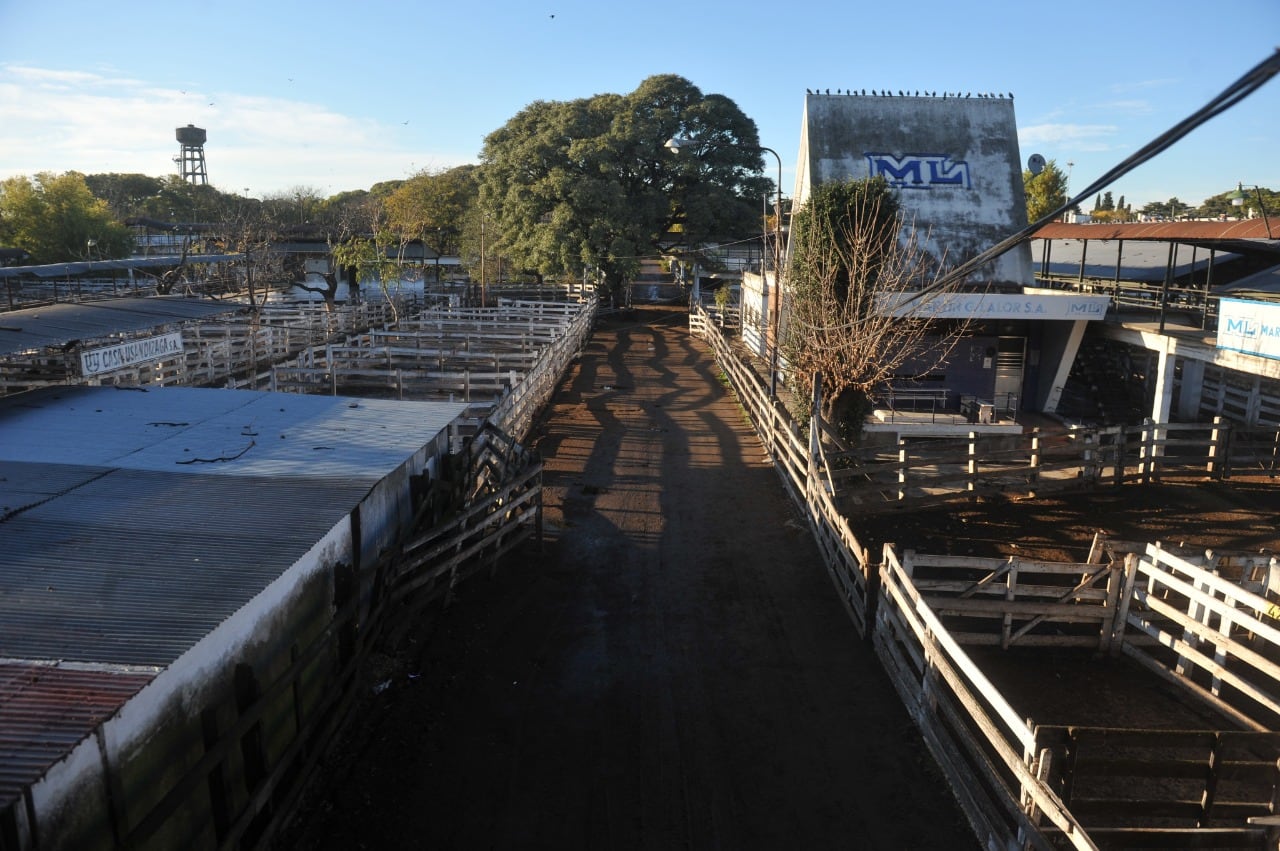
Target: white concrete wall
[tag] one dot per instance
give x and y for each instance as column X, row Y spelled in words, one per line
column 959, row 165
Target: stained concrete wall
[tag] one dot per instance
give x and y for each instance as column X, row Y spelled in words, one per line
column 955, row 162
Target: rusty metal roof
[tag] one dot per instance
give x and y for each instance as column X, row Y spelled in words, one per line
column 1198, row 231
column 37, row 328
column 46, row 710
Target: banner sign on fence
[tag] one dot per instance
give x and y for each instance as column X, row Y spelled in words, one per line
column 111, row 358
column 1252, row 327
column 1026, row 305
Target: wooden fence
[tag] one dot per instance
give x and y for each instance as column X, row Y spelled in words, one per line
column 982, row 744
column 234, row 352
column 507, row 358
column 1040, row 461
column 1199, row 622
column 466, row 521
column 1205, row 626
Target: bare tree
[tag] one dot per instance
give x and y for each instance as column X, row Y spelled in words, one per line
column 854, row 260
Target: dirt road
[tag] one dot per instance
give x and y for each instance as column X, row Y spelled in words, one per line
column 673, row 670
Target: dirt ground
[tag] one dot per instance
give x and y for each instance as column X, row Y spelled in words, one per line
column 673, row 669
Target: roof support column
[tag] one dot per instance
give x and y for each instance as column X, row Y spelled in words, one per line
column 1164, row 382
column 1192, row 387
column 1065, row 361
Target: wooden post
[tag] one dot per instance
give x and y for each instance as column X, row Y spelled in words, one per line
column 1122, row 434
column 1216, row 447
column 1010, row 595
column 972, row 465
column 1131, row 562
column 1090, row 468
column 902, row 468
column 1033, row 475
column 1146, row 451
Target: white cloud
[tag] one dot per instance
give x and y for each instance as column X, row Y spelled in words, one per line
column 1079, row 137
column 54, row 120
column 1137, row 85
column 1128, row 107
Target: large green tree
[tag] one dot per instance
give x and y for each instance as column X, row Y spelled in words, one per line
column 1045, row 192
column 432, row 206
column 55, row 218
column 1255, row 202
column 589, row 184
column 126, row 194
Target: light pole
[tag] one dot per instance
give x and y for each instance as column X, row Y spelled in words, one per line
column 674, row 144
column 1067, row 188
column 1238, row 197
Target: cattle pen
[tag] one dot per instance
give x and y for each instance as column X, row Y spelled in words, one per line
column 1203, row 625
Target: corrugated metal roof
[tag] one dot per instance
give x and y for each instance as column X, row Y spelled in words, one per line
column 85, row 267
column 36, row 328
column 1163, row 231
column 46, row 710
column 196, row 431
column 135, row 567
column 1139, row 260
column 120, row 547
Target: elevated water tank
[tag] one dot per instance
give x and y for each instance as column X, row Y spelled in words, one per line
column 191, row 135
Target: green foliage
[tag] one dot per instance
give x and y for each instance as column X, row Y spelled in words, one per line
column 432, row 206
column 1170, row 209
column 1045, row 192
column 1256, row 201
column 57, row 219
column 125, row 194
column 589, row 184
column 842, row 238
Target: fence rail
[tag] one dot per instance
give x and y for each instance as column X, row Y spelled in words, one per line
column 1204, row 626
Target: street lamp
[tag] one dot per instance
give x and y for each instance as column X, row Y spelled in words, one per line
column 674, row 144
column 1238, row 197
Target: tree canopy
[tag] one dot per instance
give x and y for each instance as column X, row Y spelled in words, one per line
column 55, row 218
column 589, row 183
column 1045, row 192
column 433, row 206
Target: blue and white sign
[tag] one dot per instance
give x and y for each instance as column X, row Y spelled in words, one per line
column 1252, row 327
column 111, row 358
column 919, row 171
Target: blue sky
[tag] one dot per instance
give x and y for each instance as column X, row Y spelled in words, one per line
column 339, row 96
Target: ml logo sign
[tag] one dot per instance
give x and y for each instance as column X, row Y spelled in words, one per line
column 919, row 171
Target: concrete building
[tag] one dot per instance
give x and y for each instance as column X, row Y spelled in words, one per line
column 955, row 162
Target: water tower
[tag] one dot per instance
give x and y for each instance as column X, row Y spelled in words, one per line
column 191, row 159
